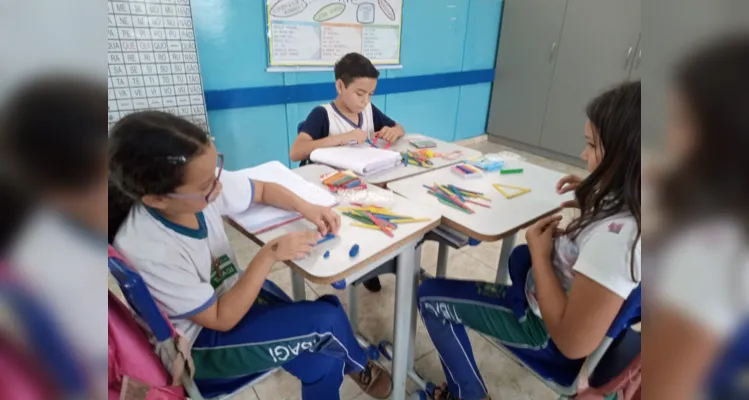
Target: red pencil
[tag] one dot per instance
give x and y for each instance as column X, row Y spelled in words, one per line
column 380, row 223
column 477, row 203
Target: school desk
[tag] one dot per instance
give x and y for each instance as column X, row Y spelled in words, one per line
column 375, row 249
column 401, row 171
column 505, row 217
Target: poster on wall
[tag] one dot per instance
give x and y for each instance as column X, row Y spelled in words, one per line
column 153, row 60
column 318, row 32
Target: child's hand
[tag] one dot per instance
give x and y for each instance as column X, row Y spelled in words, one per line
column 569, row 183
column 390, row 133
column 539, row 237
column 326, row 220
column 293, row 246
column 358, row 136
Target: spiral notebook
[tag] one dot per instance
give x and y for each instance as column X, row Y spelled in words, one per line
column 262, row 218
column 362, row 160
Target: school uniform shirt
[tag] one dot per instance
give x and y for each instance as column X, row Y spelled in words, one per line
column 602, row 252
column 326, row 120
column 703, row 273
column 186, row 270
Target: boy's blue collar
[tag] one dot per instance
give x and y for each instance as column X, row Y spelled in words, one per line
column 200, row 233
column 356, row 126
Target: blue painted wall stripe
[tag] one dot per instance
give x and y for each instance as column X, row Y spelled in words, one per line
column 275, row 95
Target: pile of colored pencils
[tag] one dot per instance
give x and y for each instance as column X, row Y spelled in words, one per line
column 416, row 158
column 453, row 196
column 373, row 217
column 342, row 180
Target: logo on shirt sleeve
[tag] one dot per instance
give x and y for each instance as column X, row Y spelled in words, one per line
column 615, row 228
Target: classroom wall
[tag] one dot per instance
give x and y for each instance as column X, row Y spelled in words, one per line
column 448, row 48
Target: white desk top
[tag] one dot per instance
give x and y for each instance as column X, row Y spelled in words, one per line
column 402, row 171
column 373, row 244
column 505, row 216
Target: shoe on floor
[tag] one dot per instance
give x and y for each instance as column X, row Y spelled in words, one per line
column 373, row 285
column 374, row 381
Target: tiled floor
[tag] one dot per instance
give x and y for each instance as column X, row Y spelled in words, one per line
column 504, row 378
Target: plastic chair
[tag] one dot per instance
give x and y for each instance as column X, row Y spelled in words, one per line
column 143, row 304
column 306, row 161
column 616, row 350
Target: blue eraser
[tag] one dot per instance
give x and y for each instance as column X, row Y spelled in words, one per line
column 326, row 255
column 354, row 250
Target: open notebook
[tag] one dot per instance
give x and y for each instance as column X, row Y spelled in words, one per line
column 261, row 218
column 362, row 160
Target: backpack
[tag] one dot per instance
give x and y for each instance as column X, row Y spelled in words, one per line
column 626, row 386
column 135, row 372
column 136, row 357
column 619, row 372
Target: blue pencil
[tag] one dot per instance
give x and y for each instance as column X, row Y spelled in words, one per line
column 457, row 193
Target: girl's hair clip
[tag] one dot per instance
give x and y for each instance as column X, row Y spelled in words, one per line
column 176, row 159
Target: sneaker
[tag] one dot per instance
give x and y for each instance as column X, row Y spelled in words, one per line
column 373, row 285
column 374, row 381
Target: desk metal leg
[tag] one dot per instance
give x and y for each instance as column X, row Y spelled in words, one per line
column 503, row 270
column 353, row 306
column 442, row 254
column 297, row 286
column 405, row 299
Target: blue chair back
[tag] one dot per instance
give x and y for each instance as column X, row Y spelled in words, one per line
column 139, row 297
column 629, row 314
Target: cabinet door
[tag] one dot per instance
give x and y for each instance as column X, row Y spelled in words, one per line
column 528, row 41
column 596, row 51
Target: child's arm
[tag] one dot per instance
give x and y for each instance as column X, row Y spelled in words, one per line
column 385, row 127
column 576, row 322
column 304, row 144
column 278, row 196
column 224, row 314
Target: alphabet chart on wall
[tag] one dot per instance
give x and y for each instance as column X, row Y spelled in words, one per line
column 153, row 60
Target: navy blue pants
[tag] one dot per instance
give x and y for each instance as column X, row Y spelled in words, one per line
column 448, row 306
column 312, row 340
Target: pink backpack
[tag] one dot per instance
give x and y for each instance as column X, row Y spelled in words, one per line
column 135, row 372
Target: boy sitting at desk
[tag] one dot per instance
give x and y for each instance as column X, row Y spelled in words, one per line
column 350, row 118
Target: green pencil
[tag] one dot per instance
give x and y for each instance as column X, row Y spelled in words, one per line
column 511, row 171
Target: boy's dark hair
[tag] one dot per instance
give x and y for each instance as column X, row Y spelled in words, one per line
column 614, row 186
column 148, row 152
column 353, row 66
column 53, row 133
column 714, row 179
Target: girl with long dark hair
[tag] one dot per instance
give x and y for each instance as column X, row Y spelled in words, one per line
column 567, row 285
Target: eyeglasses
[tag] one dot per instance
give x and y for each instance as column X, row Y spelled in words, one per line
column 207, row 197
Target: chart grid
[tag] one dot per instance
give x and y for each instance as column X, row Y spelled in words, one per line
column 153, row 60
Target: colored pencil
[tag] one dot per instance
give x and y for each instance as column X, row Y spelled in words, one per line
column 408, row 220
column 380, row 224
column 368, row 226
column 478, row 204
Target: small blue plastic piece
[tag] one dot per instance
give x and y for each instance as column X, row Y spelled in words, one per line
column 473, row 242
column 325, row 238
column 340, row 285
column 326, row 255
column 354, row 250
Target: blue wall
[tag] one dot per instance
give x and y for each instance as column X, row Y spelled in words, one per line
column 442, row 40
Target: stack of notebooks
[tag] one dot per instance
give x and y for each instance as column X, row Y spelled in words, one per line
column 261, row 218
column 362, row 160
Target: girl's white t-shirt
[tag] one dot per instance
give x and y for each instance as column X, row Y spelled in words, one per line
column 186, row 270
column 602, row 252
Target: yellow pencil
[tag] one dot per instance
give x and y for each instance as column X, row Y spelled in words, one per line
column 361, row 225
column 408, row 220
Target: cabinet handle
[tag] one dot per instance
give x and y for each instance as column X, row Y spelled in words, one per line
column 553, row 51
column 639, row 59
column 628, row 60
